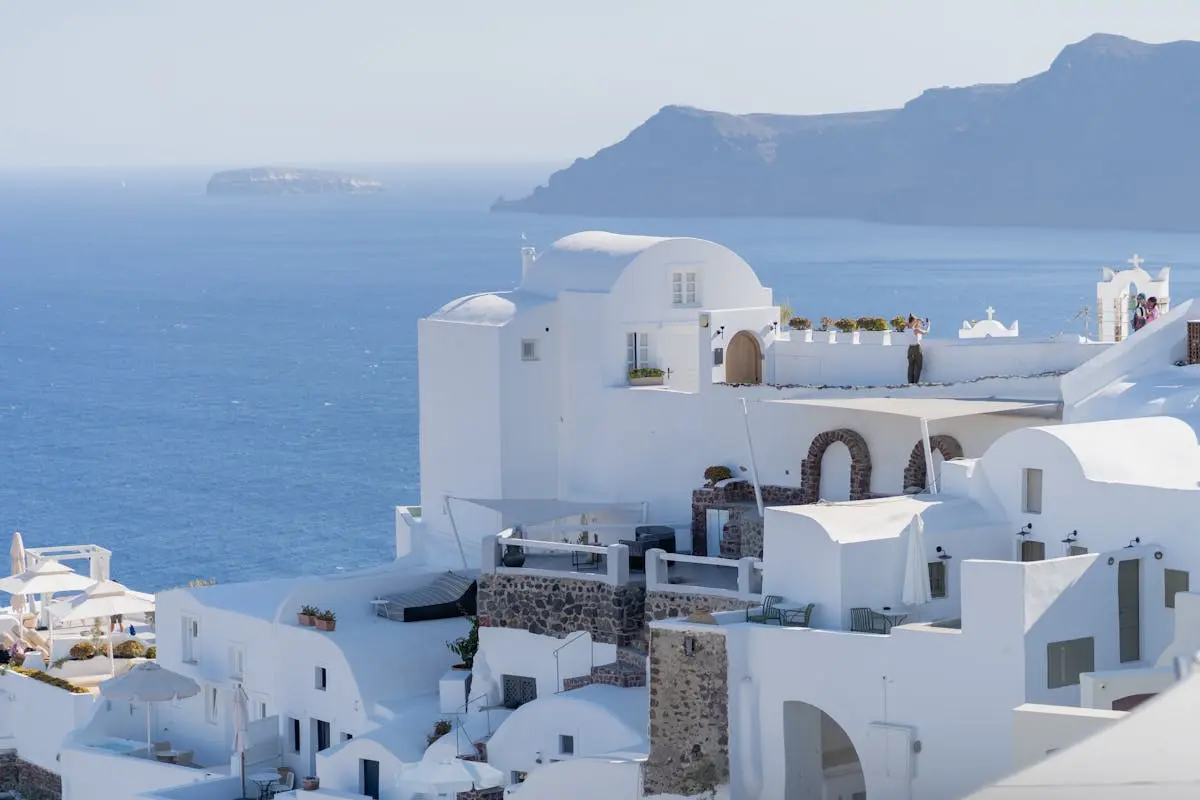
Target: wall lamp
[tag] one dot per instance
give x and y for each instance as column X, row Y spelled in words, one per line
column 943, row 555
column 1072, row 537
column 1026, row 531
column 1133, row 542
column 721, row 331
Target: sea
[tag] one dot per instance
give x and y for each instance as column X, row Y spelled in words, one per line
column 226, row 388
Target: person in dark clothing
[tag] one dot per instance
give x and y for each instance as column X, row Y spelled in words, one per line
column 915, row 329
column 5, row 656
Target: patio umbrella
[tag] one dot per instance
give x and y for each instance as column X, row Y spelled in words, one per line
column 104, row 600
column 241, row 727
column 451, row 775
column 916, row 568
column 47, row 577
column 17, row 555
column 149, row 683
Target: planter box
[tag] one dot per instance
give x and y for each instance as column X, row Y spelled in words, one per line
column 874, row 337
column 656, row 381
column 802, row 335
column 326, row 625
column 306, row 619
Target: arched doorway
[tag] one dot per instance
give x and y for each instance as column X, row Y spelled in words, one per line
column 915, row 476
column 743, row 359
column 819, row 757
column 860, row 464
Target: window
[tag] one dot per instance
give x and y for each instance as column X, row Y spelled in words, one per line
column 1033, row 551
column 1175, row 581
column 529, row 350
column 211, row 704
column 1031, row 493
column 566, row 745
column 322, row 679
column 237, row 660
column 718, row 356
column 637, row 350
column 518, row 777
column 347, row 736
column 262, row 709
column 518, row 690
column 937, row 578
column 295, row 726
column 683, row 289
column 322, row 735
column 1066, row 660
column 191, row 636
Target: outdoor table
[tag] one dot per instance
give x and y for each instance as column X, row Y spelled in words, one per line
column 789, row 610
column 892, row 614
column 264, row 781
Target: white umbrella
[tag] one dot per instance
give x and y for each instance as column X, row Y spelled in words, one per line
column 47, row 577
column 104, row 599
column 149, row 683
column 451, row 775
column 241, row 727
column 17, row 555
column 916, row 568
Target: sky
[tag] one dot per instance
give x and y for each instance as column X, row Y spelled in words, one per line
column 314, row 82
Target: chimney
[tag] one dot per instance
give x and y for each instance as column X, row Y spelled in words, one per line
column 528, row 254
column 1193, row 341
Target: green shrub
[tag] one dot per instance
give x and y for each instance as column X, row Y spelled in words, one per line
column 800, row 324
column 785, row 312
column 718, row 473
column 151, row 652
column 38, row 675
column 846, row 325
column 646, row 372
column 82, row 651
column 440, row 729
column 826, row 323
column 130, row 649
column 465, row 647
column 899, row 324
column 872, row 324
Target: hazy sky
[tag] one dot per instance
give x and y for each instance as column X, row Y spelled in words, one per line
column 242, row 82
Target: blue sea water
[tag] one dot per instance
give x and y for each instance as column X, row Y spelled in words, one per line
column 227, row 388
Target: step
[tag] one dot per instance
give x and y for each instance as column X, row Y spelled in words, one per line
column 619, row 674
column 634, row 656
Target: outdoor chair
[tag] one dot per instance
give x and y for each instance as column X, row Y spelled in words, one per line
column 286, row 782
column 585, row 561
column 798, row 616
column 184, row 757
column 160, row 746
column 767, row 612
column 864, row 620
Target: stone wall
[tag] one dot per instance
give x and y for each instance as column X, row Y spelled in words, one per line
column 496, row 793
column 731, row 496
column 19, row 775
column 671, row 605
column 689, row 712
column 553, row 605
column 860, row 464
column 915, row 477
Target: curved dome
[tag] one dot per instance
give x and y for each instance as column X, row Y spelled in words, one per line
column 486, row 308
column 590, row 261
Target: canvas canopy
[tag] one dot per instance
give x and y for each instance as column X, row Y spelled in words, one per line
column 532, row 512
column 930, row 408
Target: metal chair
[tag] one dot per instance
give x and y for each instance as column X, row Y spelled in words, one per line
column 799, row 617
column 864, row 620
column 767, row 612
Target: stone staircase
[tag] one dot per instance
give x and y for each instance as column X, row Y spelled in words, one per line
column 627, row 671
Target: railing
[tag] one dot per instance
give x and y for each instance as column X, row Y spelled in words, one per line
column 591, row 655
column 460, row 730
column 616, row 557
column 749, row 574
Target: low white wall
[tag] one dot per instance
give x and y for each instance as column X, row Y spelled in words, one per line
column 581, row 779
column 213, row 789
column 1038, row 730
column 512, row 651
column 38, row 717
column 88, row 774
column 1100, row 689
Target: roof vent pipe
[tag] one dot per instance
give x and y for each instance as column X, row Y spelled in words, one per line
column 528, row 254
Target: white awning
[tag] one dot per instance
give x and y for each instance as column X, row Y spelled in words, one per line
column 930, row 408
column 531, row 512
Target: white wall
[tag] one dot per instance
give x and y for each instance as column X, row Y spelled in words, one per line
column 529, row 406
column 581, row 779
column 1039, row 730
column 513, row 651
column 88, row 774
column 36, row 717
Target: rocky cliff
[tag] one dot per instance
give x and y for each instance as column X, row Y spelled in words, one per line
column 287, row 180
column 1104, row 138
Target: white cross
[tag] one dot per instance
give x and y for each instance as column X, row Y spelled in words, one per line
column 990, row 311
column 1136, row 260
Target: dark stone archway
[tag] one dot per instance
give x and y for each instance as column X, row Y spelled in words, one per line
column 860, row 464
column 915, row 473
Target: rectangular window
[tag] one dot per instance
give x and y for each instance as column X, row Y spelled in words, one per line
column 1033, row 551
column 237, row 661
column 566, row 745
column 937, row 578
column 1175, row 581
column 684, row 290
column 322, row 679
column 1031, row 491
column 637, row 350
column 518, row 690
column 191, row 639
column 718, row 356
column 322, row 735
column 529, row 350
column 1065, row 661
column 516, row 776
column 262, row 710
column 211, row 705
column 295, row 726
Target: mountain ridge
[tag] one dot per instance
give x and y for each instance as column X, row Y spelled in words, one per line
column 1099, row 139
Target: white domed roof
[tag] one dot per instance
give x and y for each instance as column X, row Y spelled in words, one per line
column 487, row 308
column 590, row 261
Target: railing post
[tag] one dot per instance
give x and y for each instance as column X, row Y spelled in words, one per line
column 618, row 564
column 656, row 568
column 491, row 553
column 745, row 576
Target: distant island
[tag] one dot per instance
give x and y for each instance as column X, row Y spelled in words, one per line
column 289, row 180
column 1104, row 138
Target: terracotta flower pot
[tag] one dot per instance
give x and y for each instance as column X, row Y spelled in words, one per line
column 326, row 624
column 310, row 784
column 306, row 619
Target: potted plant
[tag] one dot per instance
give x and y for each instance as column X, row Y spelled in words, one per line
column 646, row 376
column 802, row 326
column 311, row 783
column 899, row 324
column 307, row 616
column 829, row 329
column 872, row 330
column 465, row 647
column 326, row 620
column 715, row 474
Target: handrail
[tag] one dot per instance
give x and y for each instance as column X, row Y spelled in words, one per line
column 557, row 672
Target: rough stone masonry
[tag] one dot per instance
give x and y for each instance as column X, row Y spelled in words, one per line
column 556, row 606
column 689, row 712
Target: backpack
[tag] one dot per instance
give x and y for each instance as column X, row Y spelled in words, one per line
column 1139, row 318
